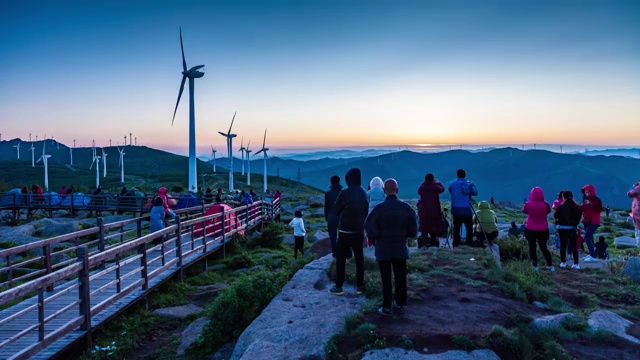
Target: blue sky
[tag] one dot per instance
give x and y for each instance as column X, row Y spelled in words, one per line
column 324, row 73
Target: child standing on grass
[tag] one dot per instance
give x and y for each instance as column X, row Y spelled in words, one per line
column 601, row 248
column 298, row 233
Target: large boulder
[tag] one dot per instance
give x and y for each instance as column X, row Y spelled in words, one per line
column 632, row 268
column 289, row 239
column 551, row 321
column 611, row 322
column 179, row 312
column 320, row 235
column 319, row 248
column 397, row 353
column 54, row 227
column 625, row 241
column 299, row 321
column 190, row 333
column 301, row 208
column 316, row 199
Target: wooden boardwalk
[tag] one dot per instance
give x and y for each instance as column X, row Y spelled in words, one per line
column 94, row 288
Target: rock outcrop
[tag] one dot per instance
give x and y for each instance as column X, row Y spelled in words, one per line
column 179, row 312
column 632, row 268
column 397, row 353
column 611, row 322
column 190, row 333
column 300, row 319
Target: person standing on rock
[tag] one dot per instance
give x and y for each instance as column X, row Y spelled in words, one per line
column 591, row 218
column 331, row 218
column 429, row 212
column 568, row 215
column 351, row 207
column 537, row 227
column 634, row 193
column 461, row 192
column 390, row 225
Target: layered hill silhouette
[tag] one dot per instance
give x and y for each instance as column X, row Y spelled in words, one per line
column 506, row 174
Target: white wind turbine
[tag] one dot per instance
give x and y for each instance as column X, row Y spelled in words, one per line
column 18, row 149
column 121, row 151
column 33, row 155
column 213, row 153
column 191, row 74
column 71, row 153
column 45, row 160
column 264, row 151
column 230, row 137
column 242, row 149
column 248, row 151
column 96, row 161
column 104, row 163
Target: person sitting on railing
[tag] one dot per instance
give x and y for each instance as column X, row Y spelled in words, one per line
column 157, row 218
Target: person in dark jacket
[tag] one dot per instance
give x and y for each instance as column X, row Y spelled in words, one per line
column 390, row 224
column 331, row 218
column 351, row 207
column 568, row 215
column 219, row 196
column 461, row 192
column 429, row 212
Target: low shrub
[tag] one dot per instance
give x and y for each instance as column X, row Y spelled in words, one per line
column 512, row 248
column 240, row 261
column 463, row 342
column 271, row 237
column 316, row 205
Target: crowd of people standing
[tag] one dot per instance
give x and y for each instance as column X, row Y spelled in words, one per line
column 357, row 218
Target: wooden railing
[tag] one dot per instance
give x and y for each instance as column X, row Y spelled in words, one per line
column 106, row 273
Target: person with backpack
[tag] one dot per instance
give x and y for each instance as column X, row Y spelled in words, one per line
column 591, row 218
column 429, row 212
column 461, row 192
column 486, row 223
column 634, row 193
column 157, row 218
column 390, row 224
column 568, row 215
column 351, row 207
column 537, row 227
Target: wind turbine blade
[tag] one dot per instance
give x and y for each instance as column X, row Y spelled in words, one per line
column 265, row 138
column 232, row 120
column 184, row 78
column 221, row 133
column 184, row 62
column 261, row 150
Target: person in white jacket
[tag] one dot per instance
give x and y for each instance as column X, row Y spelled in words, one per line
column 298, row 233
column 375, row 195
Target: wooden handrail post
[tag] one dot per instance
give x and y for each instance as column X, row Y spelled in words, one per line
column 84, row 291
column 40, row 315
column 101, row 244
column 10, row 272
column 139, row 227
column 118, row 285
column 46, row 250
column 179, row 247
column 142, row 250
column 222, row 226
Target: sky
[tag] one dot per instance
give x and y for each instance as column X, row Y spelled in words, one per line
column 323, row 73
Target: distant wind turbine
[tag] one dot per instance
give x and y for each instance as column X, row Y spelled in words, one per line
column 18, row 149
column 130, row 142
column 230, row 137
column 213, row 153
column 136, row 141
column 125, row 140
column 96, row 161
column 121, row 163
column 264, row 151
column 109, row 142
column 71, row 156
column 242, row 149
column 33, row 155
column 190, row 74
column 45, row 160
column 248, row 163
column 29, row 137
column 104, row 163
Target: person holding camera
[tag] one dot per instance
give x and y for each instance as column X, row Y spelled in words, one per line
column 461, row 192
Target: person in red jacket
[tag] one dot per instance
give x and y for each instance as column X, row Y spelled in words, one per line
column 537, row 227
column 591, row 218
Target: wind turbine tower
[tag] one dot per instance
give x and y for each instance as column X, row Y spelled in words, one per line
column 130, row 142
column 264, row 151
column 33, row 155
column 121, row 163
column 18, row 149
column 213, row 154
column 190, row 74
column 104, row 163
column 96, row 161
column 248, row 151
column 230, row 137
column 45, row 160
column 242, row 149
